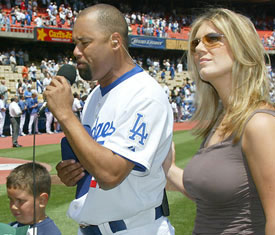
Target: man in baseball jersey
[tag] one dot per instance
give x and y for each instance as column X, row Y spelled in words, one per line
column 131, row 124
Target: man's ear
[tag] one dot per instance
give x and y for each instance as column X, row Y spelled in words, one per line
column 43, row 199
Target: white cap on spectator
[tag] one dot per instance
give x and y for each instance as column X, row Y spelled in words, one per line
column 34, row 91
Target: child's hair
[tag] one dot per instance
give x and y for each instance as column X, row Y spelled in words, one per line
column 21, row 177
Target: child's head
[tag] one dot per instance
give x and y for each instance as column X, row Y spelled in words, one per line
column 21, row 194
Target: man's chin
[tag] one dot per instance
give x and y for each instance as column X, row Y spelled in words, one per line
column 85, row 72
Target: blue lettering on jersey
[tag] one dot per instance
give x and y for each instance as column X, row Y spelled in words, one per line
column 139, row 129
column 132, row 148
column 102, row 130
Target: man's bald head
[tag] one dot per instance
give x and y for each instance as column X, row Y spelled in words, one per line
column 109, row 19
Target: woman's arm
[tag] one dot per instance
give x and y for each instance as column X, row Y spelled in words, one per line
column 259, row 147
column 173, row 173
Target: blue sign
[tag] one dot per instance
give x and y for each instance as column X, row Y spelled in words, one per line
column 146, row 42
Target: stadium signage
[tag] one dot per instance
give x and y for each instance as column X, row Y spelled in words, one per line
column 146, row 42
column 53, row 35
column 175, row 44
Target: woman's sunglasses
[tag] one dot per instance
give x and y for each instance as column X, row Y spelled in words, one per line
column 210, row 40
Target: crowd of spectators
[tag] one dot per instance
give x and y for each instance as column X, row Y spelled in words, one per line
column 269, row 41
column 14, row 57
column 151, row 23
column 29, row 13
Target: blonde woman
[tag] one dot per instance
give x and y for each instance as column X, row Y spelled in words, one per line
column 232, row 176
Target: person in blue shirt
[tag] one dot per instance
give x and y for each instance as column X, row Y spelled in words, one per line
column 28, row 94
column 33, row 109
column 172, row 71
column 162, row 75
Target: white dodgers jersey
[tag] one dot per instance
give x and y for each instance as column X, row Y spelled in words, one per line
column 133, row 118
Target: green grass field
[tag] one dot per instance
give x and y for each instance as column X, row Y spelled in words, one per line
column 182, row 210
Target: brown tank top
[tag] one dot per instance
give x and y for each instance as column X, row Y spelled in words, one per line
column 219, row 180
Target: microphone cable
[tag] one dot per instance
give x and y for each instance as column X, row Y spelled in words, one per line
column 33, row 174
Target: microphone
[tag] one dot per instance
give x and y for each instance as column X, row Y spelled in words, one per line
column 69, row 72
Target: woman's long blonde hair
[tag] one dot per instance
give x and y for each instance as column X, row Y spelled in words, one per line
column 250, row 82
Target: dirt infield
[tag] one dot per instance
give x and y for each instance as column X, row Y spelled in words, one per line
column 7, row 164
column 28, row 140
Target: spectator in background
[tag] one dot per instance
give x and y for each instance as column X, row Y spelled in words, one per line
column 43, row 67
column 47, row 80
column 1, row 58
column 4, row 91
column 20, row 17
column 15, row 112
column 23, row 106
column 178, row 101
column 33, row 108
column 62, row 16
column 28, row 18
column 31, row 84
column 2, row 114
column 25, row 84
column 56, row 125
column 149, row 62
column 69, row 15
column 54, row 9
column 19, row 89
column 39, row 21
column 20, row 56
column 172, row 71
column 25, row 72
column 32, row 72
column 76, row 105
column 13, row 63
column 156, row 64
column 51, row 15
column 175, row 109
column 163, row 75
column 13, row 15
column 6, row 58
column 138, row 30
column 166, row 64
column 6, row 22
column 31, row 4
column 1, row 18
column 26, row 57
column 28, row 94
column 49, row 120
column 179, row 67
column 23, row 5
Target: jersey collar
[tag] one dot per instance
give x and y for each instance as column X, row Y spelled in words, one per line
column 135, row 70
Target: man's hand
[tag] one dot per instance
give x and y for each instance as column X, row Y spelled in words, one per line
column 59, row 98
column 70, row 172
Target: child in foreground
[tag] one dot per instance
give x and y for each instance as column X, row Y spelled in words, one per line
column 21, row 196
